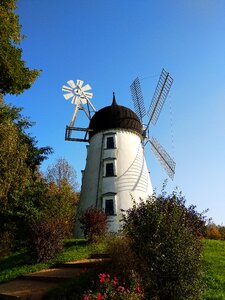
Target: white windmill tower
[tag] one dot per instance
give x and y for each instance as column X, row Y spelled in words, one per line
column 116, row 171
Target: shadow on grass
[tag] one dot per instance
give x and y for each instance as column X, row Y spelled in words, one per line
column 74, row 242
column 15, row 260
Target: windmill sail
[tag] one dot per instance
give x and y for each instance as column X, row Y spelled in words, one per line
column 159, row 97
column 137, row 98
column 164, row 158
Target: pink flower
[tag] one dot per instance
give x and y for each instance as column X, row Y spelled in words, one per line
column 86, row 297
column 102, row 277
column 120, row 289
column 138, row 290
column 114, row 282
column 100, row 297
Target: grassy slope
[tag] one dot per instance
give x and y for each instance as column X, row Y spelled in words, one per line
column 214, row 269
column 18, row 264
column 213, row 262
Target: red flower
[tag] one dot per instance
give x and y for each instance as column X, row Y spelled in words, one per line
column 138, row 290
column 102, row 277
column 114, row 282
column 86, row 297
column 100, row 297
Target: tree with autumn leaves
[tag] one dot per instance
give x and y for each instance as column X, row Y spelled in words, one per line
column 29, row 200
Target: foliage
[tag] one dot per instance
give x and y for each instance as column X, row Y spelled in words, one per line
column 15, row 77
column 165, row 236
column 213, row 232
column 221, row 231
column 62, row 194
column 62, row 172
column 19, row 160
column 114, row 288
column 124, row 260
column 93, row 223
column 46, row 239
column 54, row 220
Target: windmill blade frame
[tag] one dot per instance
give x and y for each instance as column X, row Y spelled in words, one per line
column 159, row 97
column 164, row 158
column 137, row 99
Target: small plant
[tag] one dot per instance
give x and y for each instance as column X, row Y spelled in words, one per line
column 93, row 223
column 115, row 288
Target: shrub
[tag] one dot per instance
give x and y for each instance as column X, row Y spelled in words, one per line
column 222, row 231
column 165, row 236
column 124, row 260
column 213, row 232
column 46, row 239
column 93, row 223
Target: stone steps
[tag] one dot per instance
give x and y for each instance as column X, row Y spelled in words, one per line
column 34, row 285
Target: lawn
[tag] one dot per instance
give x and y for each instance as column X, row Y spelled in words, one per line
column 213, row 264
column 214, row 269
column 18, row 264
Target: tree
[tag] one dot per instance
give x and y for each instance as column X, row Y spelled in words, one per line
column 62, row 172
column 15, row 77
column 19, row 161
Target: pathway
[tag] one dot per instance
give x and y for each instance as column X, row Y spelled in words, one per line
column 33, row 286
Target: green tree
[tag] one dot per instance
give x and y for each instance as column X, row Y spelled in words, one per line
column 19, row 161
column 15, row 77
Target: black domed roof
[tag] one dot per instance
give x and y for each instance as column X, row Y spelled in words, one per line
column 114, row 117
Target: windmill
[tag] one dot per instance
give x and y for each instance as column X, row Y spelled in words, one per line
column 115, row 165
column 155, row 108
column 81, row 99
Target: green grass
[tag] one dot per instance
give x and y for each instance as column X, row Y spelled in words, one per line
column 214, row 269
column 18, row 264
column 213, row 264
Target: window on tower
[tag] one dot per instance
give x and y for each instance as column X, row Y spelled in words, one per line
column 110, row 142
column 109, row 169
column 109, row 207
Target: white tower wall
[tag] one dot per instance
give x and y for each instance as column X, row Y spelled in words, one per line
column 114, row 176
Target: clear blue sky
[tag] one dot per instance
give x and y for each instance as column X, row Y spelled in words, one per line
column 107, row 43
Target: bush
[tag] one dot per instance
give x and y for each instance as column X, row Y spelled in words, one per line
column 93, row 223
column 46, row 239
column 124, row 260
column 165, row 236
column 222, row 231
column 213, row 232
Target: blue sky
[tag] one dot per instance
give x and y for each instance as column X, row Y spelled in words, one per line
column 108, row 43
